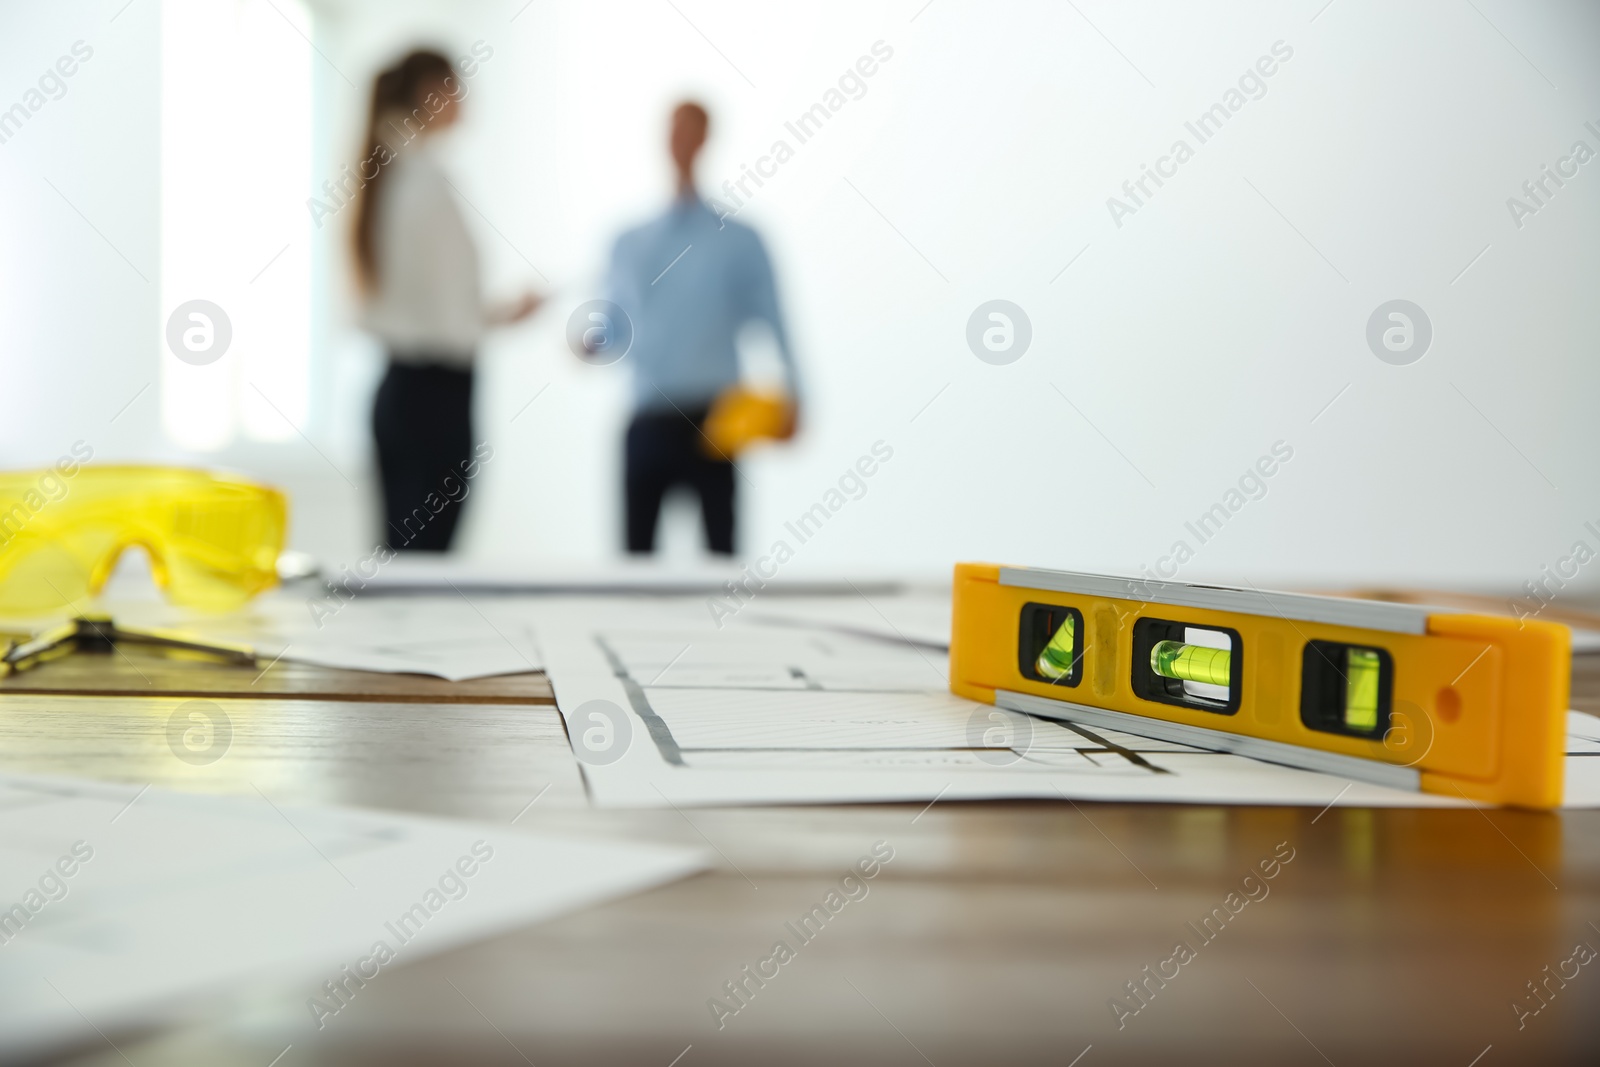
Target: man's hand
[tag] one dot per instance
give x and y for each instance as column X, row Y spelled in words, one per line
column 791, row 421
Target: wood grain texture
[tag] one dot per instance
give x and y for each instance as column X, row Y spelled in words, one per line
column 137, row 672
column 998, row 934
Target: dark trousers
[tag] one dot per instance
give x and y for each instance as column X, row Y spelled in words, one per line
column 422, row 422
column 663, row 450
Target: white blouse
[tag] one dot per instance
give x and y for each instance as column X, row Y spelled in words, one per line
column 427, row 304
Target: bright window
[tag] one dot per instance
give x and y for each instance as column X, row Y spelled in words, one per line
column 235, row 170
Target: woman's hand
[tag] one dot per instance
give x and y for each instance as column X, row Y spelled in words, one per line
column 515, row 311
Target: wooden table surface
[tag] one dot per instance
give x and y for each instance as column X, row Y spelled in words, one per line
column 999, row 934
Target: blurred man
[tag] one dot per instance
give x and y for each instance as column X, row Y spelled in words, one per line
column 689, row 280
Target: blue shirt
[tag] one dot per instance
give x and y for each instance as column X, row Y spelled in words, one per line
column 690, row 282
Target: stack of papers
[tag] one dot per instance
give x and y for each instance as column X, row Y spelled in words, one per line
column 121, row 906
column 451, row 637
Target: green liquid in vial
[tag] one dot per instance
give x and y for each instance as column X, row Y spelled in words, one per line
column 1192, row 663
column 1055, row 661
column 1361, row 689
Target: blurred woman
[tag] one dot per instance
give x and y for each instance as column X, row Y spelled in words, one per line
column 417, row 268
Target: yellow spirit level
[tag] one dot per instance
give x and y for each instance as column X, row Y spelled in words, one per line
column 1398, row 694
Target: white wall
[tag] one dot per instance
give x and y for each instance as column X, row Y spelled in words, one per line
column 79, row 263
column 1204, row 329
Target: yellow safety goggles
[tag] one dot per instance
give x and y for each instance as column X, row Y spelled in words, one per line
column 213, row 539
